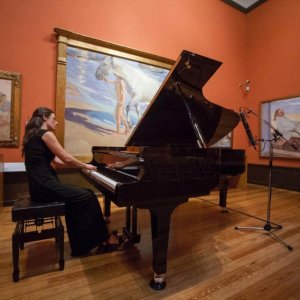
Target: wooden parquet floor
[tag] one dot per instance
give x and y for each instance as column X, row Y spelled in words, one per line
column 207, row 259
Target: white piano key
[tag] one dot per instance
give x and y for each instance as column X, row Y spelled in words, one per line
column 110, row 183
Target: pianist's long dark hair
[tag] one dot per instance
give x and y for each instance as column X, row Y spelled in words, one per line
column 35, row 124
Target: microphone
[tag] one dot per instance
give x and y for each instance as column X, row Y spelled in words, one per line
column 247, row 129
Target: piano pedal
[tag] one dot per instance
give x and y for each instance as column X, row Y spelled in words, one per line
column 131, row 238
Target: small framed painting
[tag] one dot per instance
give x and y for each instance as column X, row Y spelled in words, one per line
column 10, row 103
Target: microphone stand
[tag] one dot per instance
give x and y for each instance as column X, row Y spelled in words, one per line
column 269, row 227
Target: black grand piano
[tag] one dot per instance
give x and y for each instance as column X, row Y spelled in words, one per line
column 174, row 161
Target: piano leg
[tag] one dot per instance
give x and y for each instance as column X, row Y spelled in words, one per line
column 128, row 218
column 160, row 225
column 223, row 188
column 134, row 221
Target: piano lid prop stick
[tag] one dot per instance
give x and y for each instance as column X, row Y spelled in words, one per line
column 200, row 140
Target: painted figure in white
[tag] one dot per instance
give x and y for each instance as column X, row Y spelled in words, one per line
column 139, row 86
column 286, row 126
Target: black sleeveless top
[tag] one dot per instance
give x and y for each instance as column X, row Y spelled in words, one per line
column 41, row 175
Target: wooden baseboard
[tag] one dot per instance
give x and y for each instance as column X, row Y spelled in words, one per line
column 282, row 177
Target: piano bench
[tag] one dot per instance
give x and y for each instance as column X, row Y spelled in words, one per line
column 32, row 215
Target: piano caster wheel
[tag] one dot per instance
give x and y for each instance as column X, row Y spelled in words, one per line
column 224, row 210
column 158, row 282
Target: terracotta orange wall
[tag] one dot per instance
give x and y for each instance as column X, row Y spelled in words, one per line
column 163, row 27
column 273, row 60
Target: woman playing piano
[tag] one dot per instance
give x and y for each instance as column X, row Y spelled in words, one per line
column 85, row 224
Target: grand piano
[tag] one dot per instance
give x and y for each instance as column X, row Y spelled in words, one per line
column 175, row 160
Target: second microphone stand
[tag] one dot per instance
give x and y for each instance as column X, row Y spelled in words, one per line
column 269, row 226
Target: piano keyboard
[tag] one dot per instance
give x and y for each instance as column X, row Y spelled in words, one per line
column 110, row 178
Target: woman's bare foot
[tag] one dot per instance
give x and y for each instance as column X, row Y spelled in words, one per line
column 111, row 244
column 112, row 240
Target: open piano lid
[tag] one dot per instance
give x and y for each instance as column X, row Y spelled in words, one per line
column 179, row 115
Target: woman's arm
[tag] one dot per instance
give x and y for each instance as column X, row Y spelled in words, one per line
column 58, row 162
column 132, row 161
column 55, row 147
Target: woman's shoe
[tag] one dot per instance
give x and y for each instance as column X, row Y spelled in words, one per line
column 111, row 247
column 111, row 244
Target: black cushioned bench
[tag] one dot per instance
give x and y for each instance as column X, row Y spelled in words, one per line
column 33, row 215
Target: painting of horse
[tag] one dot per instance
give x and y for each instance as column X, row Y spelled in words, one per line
column 141, row 87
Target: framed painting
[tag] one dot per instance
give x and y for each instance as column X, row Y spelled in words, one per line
column 102, row 91
column 10, row 104
column 284, row 116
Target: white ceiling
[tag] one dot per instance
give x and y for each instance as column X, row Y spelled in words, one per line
column 244, row 5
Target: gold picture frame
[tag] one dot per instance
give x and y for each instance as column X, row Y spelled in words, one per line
column 10, row 108
column 69, row 46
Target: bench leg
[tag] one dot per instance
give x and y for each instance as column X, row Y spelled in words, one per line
column 60, row 238
column 18, row 238
column 21, row 234
column 15, row 248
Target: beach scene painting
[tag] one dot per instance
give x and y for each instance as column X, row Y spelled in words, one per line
column 105, row 97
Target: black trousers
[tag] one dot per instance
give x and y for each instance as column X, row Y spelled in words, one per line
column 84, row 219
